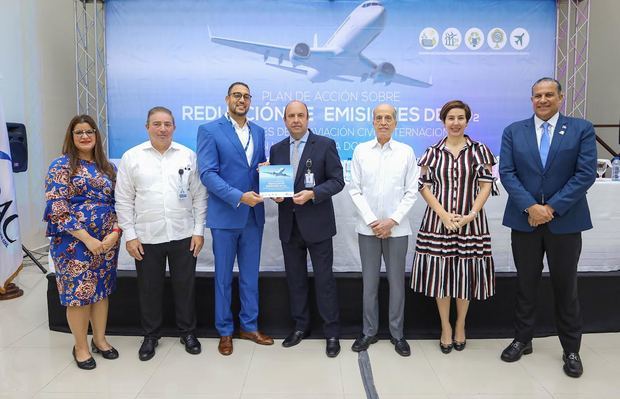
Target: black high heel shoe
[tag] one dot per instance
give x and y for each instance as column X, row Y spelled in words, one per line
column 445, row 348
column 109, row 354
column 459, row 346
column 87, row 364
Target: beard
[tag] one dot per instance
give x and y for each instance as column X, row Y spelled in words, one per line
column 233, row 110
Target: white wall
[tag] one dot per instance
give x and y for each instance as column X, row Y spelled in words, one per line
column 603, row 105
column 37, row 86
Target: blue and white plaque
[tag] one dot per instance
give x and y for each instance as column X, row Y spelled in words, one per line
column 276, row 181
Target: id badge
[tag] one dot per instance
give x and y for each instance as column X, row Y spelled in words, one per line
column 183, row 182
column 309, row 180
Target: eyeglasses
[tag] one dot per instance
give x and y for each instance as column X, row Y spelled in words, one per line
column 237, row 96
column 89, row 132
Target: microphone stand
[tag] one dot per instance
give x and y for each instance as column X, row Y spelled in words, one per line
column 32, row 258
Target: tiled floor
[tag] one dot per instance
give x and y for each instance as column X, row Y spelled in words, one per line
column 37, row 363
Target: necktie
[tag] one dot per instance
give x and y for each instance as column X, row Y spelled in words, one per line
column 295, row 157
column 545, row 143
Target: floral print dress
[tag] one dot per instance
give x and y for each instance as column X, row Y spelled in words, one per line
column 82, row 201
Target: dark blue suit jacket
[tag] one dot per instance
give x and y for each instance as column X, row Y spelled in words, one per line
column 224, row 170
column 315, row 219
column 562, row 182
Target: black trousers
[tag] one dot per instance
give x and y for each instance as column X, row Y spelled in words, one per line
column 151, row 273
column 322, row 254
column 563, row 252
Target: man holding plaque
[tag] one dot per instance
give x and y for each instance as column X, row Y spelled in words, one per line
column 230, row 150
column 307, row 224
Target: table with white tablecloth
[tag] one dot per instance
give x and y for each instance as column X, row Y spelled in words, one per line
column 600, row 245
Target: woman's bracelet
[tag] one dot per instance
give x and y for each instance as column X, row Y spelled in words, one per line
column 117, row 230
column 473, row 213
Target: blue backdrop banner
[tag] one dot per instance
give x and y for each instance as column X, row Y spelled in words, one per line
column 340, row 57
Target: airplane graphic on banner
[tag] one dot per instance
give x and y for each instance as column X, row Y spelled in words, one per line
column 340, row 58
column 279, row 172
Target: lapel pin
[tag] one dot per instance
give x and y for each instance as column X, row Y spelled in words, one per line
column 561, row 132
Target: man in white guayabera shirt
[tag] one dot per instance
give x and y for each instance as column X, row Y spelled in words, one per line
column 161, row 208
column 384, row 177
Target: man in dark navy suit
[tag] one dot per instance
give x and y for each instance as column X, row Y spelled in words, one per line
column 547, row 163
column 307, row 223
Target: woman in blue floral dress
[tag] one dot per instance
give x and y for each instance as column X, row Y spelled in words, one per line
column 84, row 235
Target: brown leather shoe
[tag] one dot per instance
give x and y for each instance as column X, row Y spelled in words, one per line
column 256, row 336
column 225, row 347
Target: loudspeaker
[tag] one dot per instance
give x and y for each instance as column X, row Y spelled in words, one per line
column 19, row 146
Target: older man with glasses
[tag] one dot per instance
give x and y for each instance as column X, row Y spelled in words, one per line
column 230, row 150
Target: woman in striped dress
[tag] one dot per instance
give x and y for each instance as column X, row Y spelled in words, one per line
column 453, row 249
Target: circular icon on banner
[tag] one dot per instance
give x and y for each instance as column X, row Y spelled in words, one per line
column 429, row 38
column 519, row 39
column 474, row 39
column 451, row 38
column 496, row 38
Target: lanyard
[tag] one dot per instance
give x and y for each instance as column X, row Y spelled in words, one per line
column 247, row 144
column 245, row 148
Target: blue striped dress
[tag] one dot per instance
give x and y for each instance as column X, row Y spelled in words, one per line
column 459, row 263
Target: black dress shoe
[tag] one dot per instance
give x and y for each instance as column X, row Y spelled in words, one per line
column 294, row 338
column 192, row 345
column 459, row 346
column 333, row 347
column 87, row 364
column 572, row 365
column 515, row 350
column 363, row 342
column 108, row 354
column 445, row 348
column 147, row 349
column 401, row 346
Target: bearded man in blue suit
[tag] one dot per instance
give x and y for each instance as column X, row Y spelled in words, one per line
column 547, row 163
column 230, row 150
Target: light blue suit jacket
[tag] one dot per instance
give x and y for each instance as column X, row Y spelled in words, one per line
column 562, row 182
column 224, row 170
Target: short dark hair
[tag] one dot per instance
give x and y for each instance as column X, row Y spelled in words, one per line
column 547, row 79
column 297, row 101
column 238, row 83
column 159, row 108
column 450, row 105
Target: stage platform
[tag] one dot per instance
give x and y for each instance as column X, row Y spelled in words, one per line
column 599, row 294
